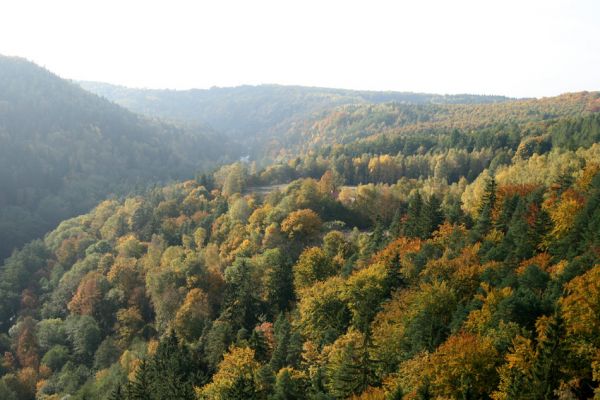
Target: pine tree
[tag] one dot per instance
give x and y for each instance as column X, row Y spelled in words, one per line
column 286, row 388
column 117, row 394
column 258, row 343
column 454, row 212
column 546, row 373
column 280, row 287
column 377, row 239
column 171, row 373
column 294, row 351
column 353, row 372
column 396, row 226
column 424, row 390
column 206, row 180
column 563, row 182
column 139, row 388
column 488, row 202
column 432, row 216
column 394, row 278
column 282, row 330
column 265, row 381
column 508, row 208
column 413, row 224
column 519, row 240
column 175, row 372
column 543, row 222
column 241, row 299
column 395, row 394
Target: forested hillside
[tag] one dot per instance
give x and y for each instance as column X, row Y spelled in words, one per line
column 377, row 246
column 395, row 121
column 257, row 114
column 465, row 266
column 62, row 150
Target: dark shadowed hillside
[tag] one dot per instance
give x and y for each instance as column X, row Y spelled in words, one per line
column 62, row 149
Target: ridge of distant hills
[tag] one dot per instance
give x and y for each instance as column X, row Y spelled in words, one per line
column 274, row 121
column 254, row 114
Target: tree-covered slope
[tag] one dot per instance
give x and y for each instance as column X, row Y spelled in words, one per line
column 280, row 122
column 256, row 113
column 63, row 149
column 368, row 122
column 419, row 288
column 393, row 251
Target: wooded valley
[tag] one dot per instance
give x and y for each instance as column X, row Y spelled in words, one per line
column 402, row 246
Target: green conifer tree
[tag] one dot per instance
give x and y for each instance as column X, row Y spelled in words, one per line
column 286, row 388
column 488, row 202
column 432, row 216
column 258, row 343
column 546, row 370
column 413, row 224
column 282, row 330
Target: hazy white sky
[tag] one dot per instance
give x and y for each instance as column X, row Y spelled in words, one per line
column 510, row 47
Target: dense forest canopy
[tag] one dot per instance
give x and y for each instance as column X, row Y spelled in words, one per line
column 197, row 290
column 378, row 251
column 63, row 149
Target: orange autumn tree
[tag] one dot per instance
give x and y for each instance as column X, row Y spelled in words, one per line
column 89, row 294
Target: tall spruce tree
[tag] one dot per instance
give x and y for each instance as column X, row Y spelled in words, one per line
column 546, row 371
column 280, row 287
column 488, row 202
column 282, row 330
column 258, row 343
column 432, row 216
column 171, row 373
column 377, row 239
column 413, row 224
column 139, row 388
column 396, row 226
column 286, row 388
column 353, row 372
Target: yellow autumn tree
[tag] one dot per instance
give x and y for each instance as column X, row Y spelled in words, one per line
column 313, row 265
column 192, row 315
column 235, row 378
column 302, row 224
column 464, row 367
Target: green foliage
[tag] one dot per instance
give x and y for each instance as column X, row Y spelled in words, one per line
column 56, row 357
column 464, row 267
column 170, row 373
column 314, row 265
column 74, row 148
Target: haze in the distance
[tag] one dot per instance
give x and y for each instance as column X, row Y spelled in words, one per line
column 515, row 48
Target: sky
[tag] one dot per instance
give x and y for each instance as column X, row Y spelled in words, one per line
column 524, row 48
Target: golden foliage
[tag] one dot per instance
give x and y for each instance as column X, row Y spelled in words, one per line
column 461, row 273
column 581, row 305
column 314, row 265
column 192, row 315
column 563, row 212
column 479, row 321
column 541, row 260
column 465, row 363
column 302, row 224
column 238, row 364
